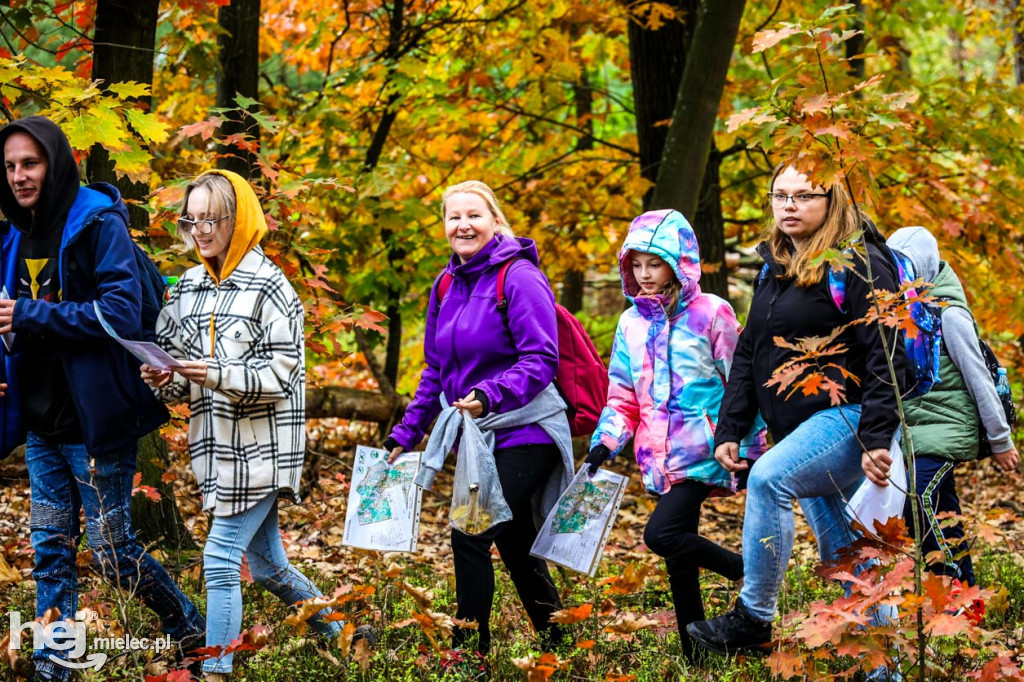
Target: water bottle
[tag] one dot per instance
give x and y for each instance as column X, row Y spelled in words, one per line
column 169, row 282
column 1002, row 383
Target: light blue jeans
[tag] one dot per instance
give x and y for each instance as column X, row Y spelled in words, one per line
column 820, row 464
column 254, row 533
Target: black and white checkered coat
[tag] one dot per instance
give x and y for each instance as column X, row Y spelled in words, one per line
column 247, row 429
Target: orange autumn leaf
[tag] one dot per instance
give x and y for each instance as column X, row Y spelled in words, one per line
column 573, row 615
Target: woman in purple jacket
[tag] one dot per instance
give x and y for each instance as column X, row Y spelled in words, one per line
column 488, row 360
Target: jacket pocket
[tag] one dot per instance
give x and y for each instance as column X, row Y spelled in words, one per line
column 246, row 468
column 709, row 431
column 235, row 339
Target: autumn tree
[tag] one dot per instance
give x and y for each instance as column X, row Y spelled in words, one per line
column 238, row 84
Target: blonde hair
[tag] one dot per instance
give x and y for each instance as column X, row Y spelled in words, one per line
column 842, row 220
column 484, row 192
column 221, row 200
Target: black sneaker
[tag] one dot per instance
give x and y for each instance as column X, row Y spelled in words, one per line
column 366, row 632
column 733, row 632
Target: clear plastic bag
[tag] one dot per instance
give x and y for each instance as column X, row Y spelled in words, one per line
column 477, row 501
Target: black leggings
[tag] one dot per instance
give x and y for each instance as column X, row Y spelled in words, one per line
column 522, row 472
column 671, row 532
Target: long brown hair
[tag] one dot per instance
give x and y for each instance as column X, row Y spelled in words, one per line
column 842, row 220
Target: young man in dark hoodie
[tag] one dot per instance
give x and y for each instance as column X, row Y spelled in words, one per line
column 73, row 394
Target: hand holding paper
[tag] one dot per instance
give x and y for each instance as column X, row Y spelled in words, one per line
column 149, row 353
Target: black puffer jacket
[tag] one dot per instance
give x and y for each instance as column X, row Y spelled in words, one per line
column 781, row 308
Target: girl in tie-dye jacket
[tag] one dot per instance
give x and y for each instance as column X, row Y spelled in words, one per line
column 669, row 365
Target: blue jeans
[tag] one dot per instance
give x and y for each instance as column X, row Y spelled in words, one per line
column 256, row 534
column 65, row 480
column 819, row 463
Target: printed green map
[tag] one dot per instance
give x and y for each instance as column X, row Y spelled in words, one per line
column 374, row 506
column 583, row 503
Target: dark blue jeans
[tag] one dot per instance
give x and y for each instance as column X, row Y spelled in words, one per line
column 66, row 480
column 936, row 492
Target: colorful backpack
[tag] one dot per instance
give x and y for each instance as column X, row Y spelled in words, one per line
column 582, row 377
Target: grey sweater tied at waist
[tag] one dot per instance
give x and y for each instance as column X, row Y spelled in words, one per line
column 547, row 410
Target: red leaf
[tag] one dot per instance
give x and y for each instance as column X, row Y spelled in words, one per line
column 369, row 320
column 205, row 129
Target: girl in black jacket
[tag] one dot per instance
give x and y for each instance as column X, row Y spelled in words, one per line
column 823, row 450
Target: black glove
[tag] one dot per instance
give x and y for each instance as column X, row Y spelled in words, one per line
column 389, row 444
column 599, row 454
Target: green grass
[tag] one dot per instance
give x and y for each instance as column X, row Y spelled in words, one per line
column 405, row 653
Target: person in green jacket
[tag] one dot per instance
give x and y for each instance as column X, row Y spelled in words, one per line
column 945, row 421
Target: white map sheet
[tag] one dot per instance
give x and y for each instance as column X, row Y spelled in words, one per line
column 146, row 351
column 576, row 530
column 383, row 504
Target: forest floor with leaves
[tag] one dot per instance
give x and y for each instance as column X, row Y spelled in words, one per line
column 622, row 623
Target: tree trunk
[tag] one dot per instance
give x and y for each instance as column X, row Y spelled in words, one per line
column 657, row 60
column 709, row 226
column 351, row 403
column 688, row 143
column 574, row 280
column 396, row 255
column 158, row 522
column 855, row 45
column 1017, row 19
column 239, row 74
column 124, row 39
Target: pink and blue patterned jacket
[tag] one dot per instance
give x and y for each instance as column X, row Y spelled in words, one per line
column 668, row 373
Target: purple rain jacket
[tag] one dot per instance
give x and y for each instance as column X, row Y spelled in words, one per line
column 469, row 344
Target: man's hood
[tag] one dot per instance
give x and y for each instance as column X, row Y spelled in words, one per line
column 250, row 225
column 919, row 245
column 667, row 235
column 60, row 187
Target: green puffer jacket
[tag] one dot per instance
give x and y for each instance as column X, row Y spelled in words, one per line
column 944, row 422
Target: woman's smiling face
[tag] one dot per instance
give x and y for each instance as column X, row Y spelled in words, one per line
column 214, row 246
column 468, row 224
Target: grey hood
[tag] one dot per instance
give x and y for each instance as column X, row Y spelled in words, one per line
column 917, row 244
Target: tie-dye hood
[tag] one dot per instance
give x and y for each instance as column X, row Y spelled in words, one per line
column 668, row 372
column 667, row 235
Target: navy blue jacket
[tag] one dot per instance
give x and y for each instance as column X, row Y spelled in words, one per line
column 96, row 266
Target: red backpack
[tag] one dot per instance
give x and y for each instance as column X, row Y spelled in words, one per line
column 582, row 377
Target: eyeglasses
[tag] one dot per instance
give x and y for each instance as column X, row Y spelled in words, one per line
column 779, row 200
column 204, row 226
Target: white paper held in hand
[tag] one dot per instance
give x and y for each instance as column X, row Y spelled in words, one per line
column 383, row 510
column 8, row 338
column 880, row 503
column 146, row 351
column 577, row 529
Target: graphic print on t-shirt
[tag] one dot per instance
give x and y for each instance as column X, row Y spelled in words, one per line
column 37, row 279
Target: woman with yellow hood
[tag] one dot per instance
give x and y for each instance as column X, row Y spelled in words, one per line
column 236, row 324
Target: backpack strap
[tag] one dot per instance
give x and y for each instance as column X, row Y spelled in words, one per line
column 837, row 288
column 443, row 285
column 762, row 276
column 502, row 274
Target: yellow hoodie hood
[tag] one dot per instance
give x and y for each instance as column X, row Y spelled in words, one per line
column 250, row 225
